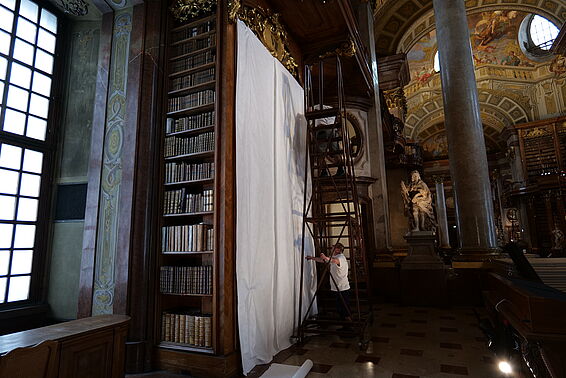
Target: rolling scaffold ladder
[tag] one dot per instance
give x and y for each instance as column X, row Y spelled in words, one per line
column 332, row 213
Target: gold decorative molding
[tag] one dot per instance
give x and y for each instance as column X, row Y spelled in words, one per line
column 347, row 49
column 184, row 10
column 536, row 132
column 395, row 98
column 268, row 28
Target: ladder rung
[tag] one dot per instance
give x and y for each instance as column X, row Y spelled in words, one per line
column 326, row 219
column 323, row 113
column 327, row 153
column 327, row 140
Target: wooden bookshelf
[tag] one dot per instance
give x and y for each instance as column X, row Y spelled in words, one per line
column 197, row 156
column 188, row 250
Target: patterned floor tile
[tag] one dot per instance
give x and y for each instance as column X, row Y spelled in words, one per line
column 412, row 352
column 452, row 369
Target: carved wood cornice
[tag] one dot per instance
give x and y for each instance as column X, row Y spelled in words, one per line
column 268, row 28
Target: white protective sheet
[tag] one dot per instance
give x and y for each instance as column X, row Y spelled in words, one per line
column 270, row 165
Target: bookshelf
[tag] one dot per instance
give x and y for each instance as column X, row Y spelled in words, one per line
column 187, row 299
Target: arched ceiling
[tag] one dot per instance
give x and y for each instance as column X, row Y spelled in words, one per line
column 497, row 111
column 399, row 24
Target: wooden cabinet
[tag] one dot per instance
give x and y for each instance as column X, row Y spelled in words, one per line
column 87, row 348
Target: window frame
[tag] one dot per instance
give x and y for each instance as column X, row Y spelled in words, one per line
column 42, row 242
column 526, row 43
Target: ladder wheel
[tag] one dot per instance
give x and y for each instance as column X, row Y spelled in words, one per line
column 363, row 345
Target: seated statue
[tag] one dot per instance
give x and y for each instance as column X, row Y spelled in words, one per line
column 418, row 204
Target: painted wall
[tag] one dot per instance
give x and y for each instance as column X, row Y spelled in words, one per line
column 74, row 151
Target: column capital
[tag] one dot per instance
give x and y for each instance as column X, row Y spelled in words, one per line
column 438, row 179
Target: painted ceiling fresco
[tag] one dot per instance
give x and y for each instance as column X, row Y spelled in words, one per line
column 494, row 41
column 436, row 147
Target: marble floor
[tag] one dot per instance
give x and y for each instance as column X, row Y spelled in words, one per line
column 406, row 342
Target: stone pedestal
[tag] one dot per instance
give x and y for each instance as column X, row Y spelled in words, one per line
column 423, row 275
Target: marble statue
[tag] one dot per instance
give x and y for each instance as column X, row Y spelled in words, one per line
column 418, row 203
column 557, row 239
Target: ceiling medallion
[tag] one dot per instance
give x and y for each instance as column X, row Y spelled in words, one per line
column 74, row 7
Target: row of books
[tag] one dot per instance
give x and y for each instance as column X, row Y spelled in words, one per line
column 191, row 100
column 181, row 202
column 187, row 238
column 194, row 45
column 200, row 59
column 182, row 171
column 186, row 328
column 193, row 79
column 175, row 146
column 190, row 32
column 186, row 279
column 192, row 122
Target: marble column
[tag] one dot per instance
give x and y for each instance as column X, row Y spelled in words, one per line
column 464, row 131
column 442, row 218
column 378, row 191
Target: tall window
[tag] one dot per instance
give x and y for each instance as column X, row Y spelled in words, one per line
column 28, row 36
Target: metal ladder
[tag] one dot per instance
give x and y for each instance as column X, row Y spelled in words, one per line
column 332, row 213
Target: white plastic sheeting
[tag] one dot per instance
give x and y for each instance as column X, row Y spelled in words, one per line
column 270, row 169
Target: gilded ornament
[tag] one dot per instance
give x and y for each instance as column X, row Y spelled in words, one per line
column 268, row 28
column 395, row 98
column 233, row 9
column 184, row 10
column 536, row 132
column 347, row 49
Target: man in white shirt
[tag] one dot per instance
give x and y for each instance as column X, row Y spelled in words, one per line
column 339, row 283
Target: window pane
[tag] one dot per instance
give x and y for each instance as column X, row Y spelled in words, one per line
column 27, row 209
column 23, row 52
column 9, row 181
column 10, row 156
column 14, row 122
column 44, row 61
column 30, row 185
column 1, row 92
column 48, row 21
column 3, row 66
column 2, row 289
column 7, row 18
column 4, row 43
column 6, row 235
column 4, row 262
column 39, row 106
column 543, row 32
column 33, row 161
column 28, row 10
column 41, row 84
column 19, row 288
column 46, row 41
column 7, row 207
column 26, row 30
column 20, row 75
column 36, row 128
column 21, row 262
column 9, row 4
column 18, row 98
column 25, row 236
